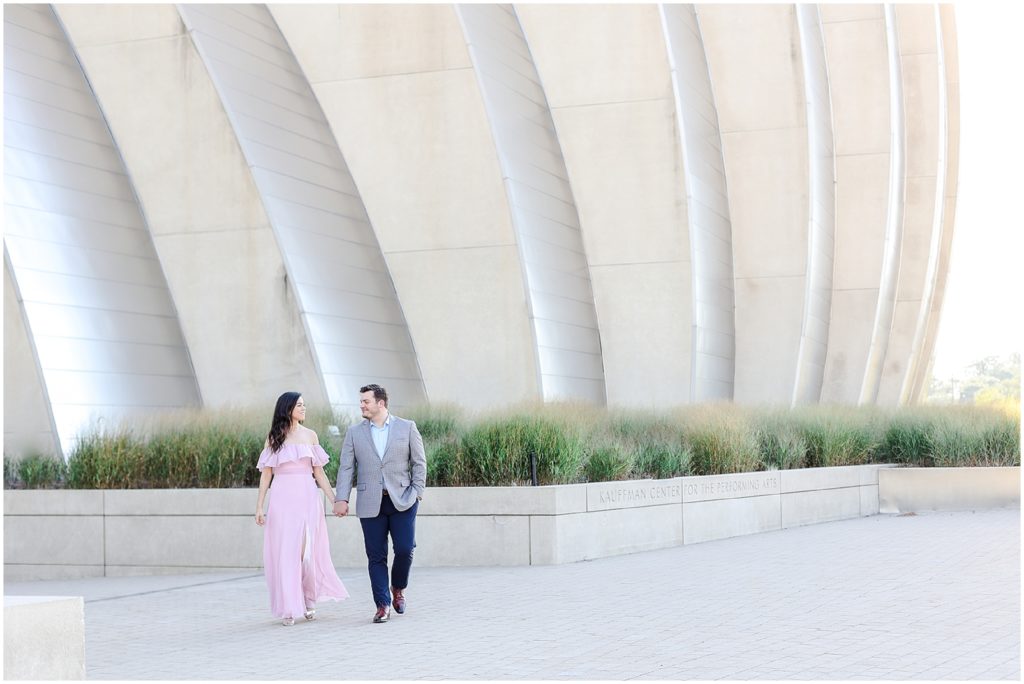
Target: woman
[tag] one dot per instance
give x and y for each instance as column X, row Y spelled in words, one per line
column 296, row 551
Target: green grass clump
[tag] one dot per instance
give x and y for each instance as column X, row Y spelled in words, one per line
column 497, row 450
column 780, row 445
column 721, row 439
column 722, row 449
column 909, row 439
column 107, row 461
column 656, row 444
column 973, row 437
column 836, row 437
column 35, row 471
column 608, row 463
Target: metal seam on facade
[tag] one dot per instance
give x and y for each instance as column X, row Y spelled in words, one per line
column 233, row 57
column 821, row 209
column 680, row 24
column 889, row 283
column 525, row 146
column 75, row 287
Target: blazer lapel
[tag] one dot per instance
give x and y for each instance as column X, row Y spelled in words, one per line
column 391, row 437
column 368, row 436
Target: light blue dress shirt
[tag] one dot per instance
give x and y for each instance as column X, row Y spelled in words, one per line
column 380, row 440
column 380, row 436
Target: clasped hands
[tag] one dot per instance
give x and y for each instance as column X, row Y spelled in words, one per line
column 341, row 508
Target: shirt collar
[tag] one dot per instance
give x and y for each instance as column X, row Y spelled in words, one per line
column 387, row 423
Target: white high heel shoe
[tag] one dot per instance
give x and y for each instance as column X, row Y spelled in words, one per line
column 310, row 614
column 288, row 622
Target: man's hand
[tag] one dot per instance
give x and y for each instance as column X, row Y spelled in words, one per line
column 341, row 508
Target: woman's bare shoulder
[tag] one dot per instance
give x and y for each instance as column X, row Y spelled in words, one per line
column 306, row 436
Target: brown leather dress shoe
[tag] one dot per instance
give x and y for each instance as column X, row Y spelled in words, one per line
column 383, row 614
column 398, row 600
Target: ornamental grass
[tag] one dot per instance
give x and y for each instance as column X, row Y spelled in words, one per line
column 570, row 443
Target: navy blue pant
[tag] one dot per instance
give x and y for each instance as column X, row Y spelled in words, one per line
column 402, row 527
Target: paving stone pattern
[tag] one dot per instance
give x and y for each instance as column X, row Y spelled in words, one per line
column 928, row 597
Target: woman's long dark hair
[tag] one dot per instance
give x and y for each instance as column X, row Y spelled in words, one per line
column 282, row 419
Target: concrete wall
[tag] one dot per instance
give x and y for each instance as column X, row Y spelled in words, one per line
column 855, row 41
column 756, row 66
column 606, row 75
column 224, row 267
column 906, row 490
column 59, row 534
column 397, row 86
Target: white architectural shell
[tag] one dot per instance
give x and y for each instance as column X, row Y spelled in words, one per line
column 479, row 204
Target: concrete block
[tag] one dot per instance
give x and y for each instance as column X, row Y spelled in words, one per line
column 808, row 508
column 869, row 500
column 810, row 479
column 849, row 12
column 471, row 540
column 587, row 54
column 717, row 487
column 578, row 536
column 104, row 24
column 724, row 518
column 479, row 356
column 602, row 496
column 346, row 535
column 902, row 490
column 44, row 637
column 352, row 41
column 768, row 320
column 187, row 540
column 661, row 375
column 28, row 572
column 635, row 178
column 53, row 502
column 751, row 55
column 171, row 502
column 53, row 540
column 504, row 500
column 869, row 473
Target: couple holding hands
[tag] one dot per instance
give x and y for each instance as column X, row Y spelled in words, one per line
column 385, row 454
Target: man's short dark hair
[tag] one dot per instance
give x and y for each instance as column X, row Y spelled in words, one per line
column 379, row 393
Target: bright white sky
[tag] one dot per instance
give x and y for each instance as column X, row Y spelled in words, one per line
column 982, row 314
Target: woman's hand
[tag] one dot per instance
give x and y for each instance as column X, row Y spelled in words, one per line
column 260, row 518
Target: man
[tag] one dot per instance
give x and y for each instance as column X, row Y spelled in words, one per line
column 391, row 476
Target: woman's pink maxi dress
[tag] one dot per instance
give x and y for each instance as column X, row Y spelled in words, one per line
column 296, row 512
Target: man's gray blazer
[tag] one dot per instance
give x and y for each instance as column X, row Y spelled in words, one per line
column 404, row 467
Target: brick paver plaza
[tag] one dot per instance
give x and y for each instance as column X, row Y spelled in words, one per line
column 932, row 596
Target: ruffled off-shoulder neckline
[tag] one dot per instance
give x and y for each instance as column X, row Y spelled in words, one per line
column 292, row 452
